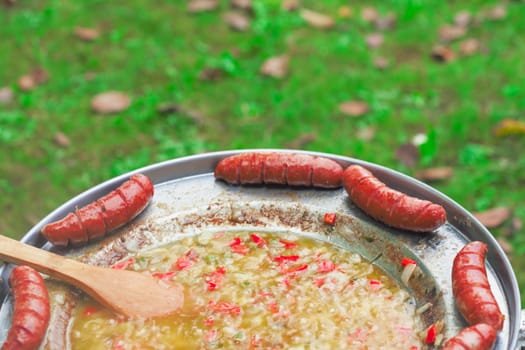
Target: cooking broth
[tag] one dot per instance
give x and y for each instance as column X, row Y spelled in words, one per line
column 260, row 291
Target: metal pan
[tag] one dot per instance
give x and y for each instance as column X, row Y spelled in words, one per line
column 188, row 199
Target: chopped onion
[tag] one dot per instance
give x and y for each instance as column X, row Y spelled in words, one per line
column 408, row 270
column 423, row 308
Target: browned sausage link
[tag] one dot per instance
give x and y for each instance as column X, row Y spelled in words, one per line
column 478, row 337
column 471, row 287
column 31, row 309
column 104, row 215
column 389, row 206
column 282, row 168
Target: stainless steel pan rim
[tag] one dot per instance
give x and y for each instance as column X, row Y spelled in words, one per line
column 461, row 227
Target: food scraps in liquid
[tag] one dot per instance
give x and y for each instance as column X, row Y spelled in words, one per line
column 261, row 291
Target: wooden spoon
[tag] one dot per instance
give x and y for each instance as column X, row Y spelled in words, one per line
column 128, row 293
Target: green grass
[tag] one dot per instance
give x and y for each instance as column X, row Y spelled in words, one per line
column 156, row 52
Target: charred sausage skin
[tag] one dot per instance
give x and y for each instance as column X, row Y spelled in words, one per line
column 282, row 168
column 104, row 215
column 389, row 206
column 478, row 337
column 471, row 288
column 31, row 309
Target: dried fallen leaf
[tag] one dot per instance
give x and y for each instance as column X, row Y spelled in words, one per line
column 317, row 20
column 61, row 139
column 301, row 141
column 290, row 5
column 505, row 245
column 87, row 34
column 211, row 74
column 369, row 14
column 354, row 108
column 245, row 5
column 448, row 33
column 463, row 18
column 496, row 13
column 40, row 75
column 237, row 21
column 435, row 174
column 277, row 66
column 345, row 12
column 443, row 54
column 493, row 217
column 374, row 40
column 366, row 134
column 6, row 95
column 381, row 62
column 469, row 47
column 408, row 154
column 510, row 127
column 168, row 108
column 387, row 22
column 197, row 6
column 110, row 102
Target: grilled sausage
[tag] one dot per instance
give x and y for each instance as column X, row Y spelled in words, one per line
column 478, row 337
column 389, row 206
column 471, row 288
column 280, row 168
column 31, row 309
column 104, row 215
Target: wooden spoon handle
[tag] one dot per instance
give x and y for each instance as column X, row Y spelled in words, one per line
column 41, row 260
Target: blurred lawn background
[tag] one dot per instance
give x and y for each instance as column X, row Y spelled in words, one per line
column 356, row 78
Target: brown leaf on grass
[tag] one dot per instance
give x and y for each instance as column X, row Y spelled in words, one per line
column 369, row 14
column 276, row 67
column 366, row 134
column 381, row 62
column 6, row 95
column 443, row 54
column 110, row 102
column 237, row 21
column 505, row 245
column 463, row 19
column 469, row 47
column 354, row 108
column 168, row 108
column 496, row 13
column 30, row 81
column 407, row 154
column 245, row 5
column 493, row 217
column 197, row 6
column 86, row 34
column 317, row 20
column 290, row 5
column 345, row 12
column 510, row 127
column 61, row 139
column 301, row 141
column 374, row 40
column 211, row 74
column 448, row 33
column 435, row 174
column 386, row 22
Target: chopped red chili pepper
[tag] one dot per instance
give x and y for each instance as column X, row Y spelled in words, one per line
column 407, row 261
column 210, row 335
column 89, row 310
column 258, row 240
column 186, row 260
column 224, row 307
column 123, row 265
column 214, row 278
column 288, row 244
column 164, row 275
column 431, row 334
column 283, row 258
column 297, row 268
column 319, row 282
column 414, row 347
column 374, row 285
column 238, row 247
column 325, row 266
column 329, row 218
column 209, row 321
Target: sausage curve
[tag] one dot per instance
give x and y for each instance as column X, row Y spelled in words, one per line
column 478, row 337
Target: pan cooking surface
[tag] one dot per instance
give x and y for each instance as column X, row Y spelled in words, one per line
column 188, row 199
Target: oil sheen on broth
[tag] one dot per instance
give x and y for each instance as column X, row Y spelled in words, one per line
column 260, row 291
